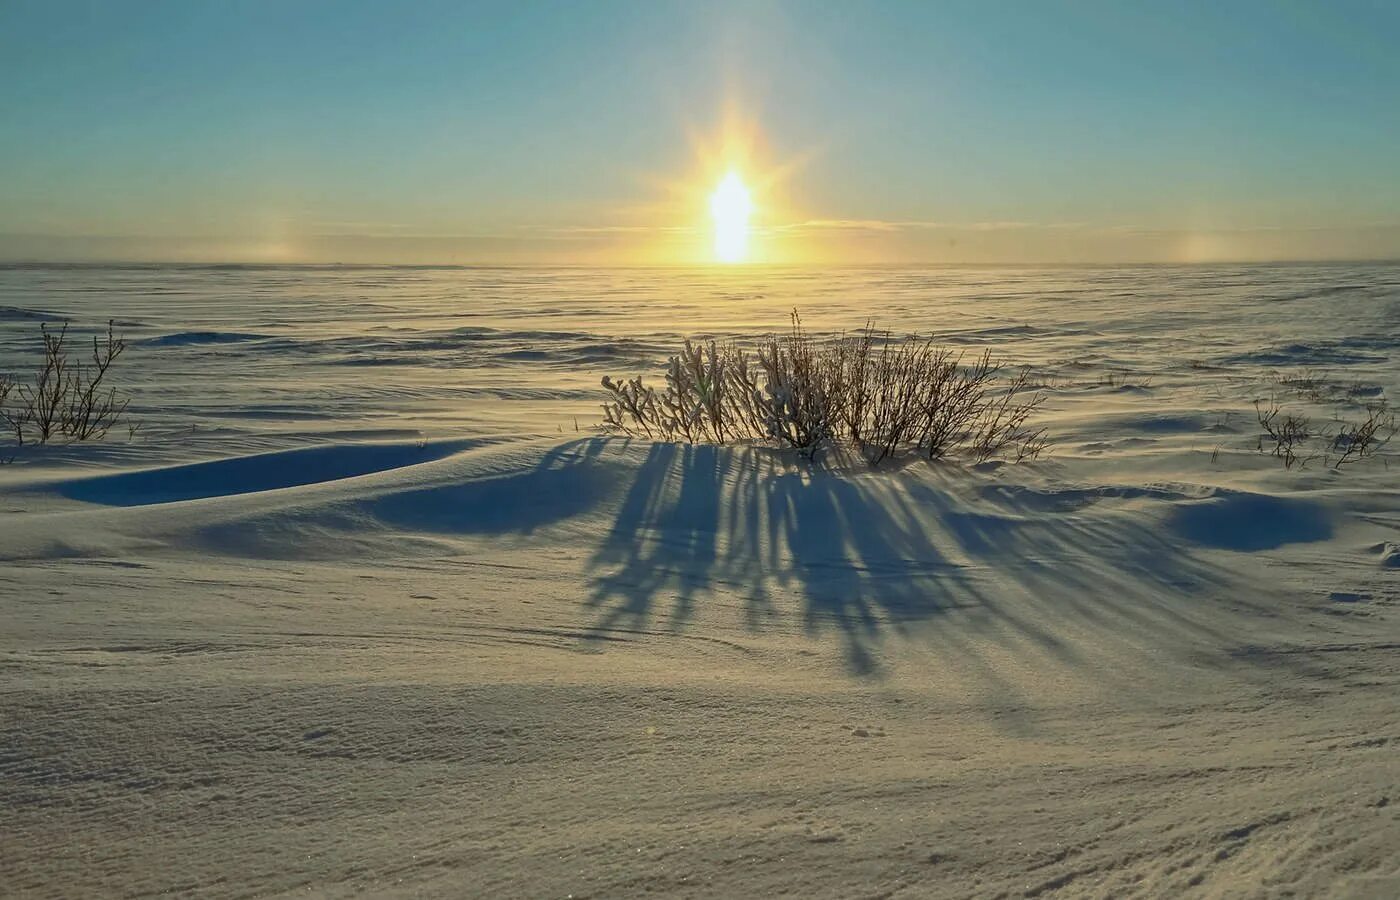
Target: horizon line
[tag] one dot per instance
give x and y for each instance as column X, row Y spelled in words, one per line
column 736, row 267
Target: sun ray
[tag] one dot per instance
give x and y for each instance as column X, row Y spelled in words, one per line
column 688, row 206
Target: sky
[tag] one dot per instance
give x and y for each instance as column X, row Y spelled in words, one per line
column 593, row 132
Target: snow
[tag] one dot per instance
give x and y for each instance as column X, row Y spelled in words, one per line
column 358, row 609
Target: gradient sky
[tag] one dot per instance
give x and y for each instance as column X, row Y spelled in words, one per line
column 926, row 131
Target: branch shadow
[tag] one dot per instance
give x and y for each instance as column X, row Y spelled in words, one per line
column 867, row 556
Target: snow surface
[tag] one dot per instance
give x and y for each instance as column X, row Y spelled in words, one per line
column 360, row 608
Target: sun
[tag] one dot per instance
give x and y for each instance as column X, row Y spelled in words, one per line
column 731, row 207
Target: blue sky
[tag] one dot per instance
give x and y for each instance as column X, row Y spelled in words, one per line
column 485, row 132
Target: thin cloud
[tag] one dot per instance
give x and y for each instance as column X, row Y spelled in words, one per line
column 1139, row 231
column 622, row 229
column 885, row 226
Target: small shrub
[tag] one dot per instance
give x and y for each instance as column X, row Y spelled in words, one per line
column 802, row 392
column 885, row 396
column 633, row 409
column 1364, row 439
column 1001, row 424
column 68, row 396
column 1289, row 436
column 1124, row 380
column 1286, row 432
column 1310, row 383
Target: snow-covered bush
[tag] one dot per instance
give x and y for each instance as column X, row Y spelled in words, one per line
column 882, row 395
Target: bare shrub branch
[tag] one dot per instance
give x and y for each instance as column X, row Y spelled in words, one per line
column 633, row 409
column 8, row 416
column 1001, row 423
column 66, row 397
column 795, row 405
column 42, row 403
column 1123, row 378
column 957, row 397
column 1293, row 439
column 90, row 411
column 1310, row 383
column 1286, row 432
column 1364, row 439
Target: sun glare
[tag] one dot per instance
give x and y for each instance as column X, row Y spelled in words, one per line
column 730, row 205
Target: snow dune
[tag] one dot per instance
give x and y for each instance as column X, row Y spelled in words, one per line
column 250, row 474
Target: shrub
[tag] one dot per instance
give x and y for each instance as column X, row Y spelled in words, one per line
column 1289, row 436
column 882, row 395
column 68, row 396
column 1313, row 384
column 1286, row 432
column 1123, row 378
column 802, row 391
column 1365, row 438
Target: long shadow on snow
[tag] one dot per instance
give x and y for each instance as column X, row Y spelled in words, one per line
column 874, row 554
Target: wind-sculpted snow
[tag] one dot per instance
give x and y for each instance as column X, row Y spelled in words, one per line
column 362, row 603
column 196, row 338
column 319, row 338
column 23, row 314
column 1340, row 353
column 1239, row 521
column 248, row 474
